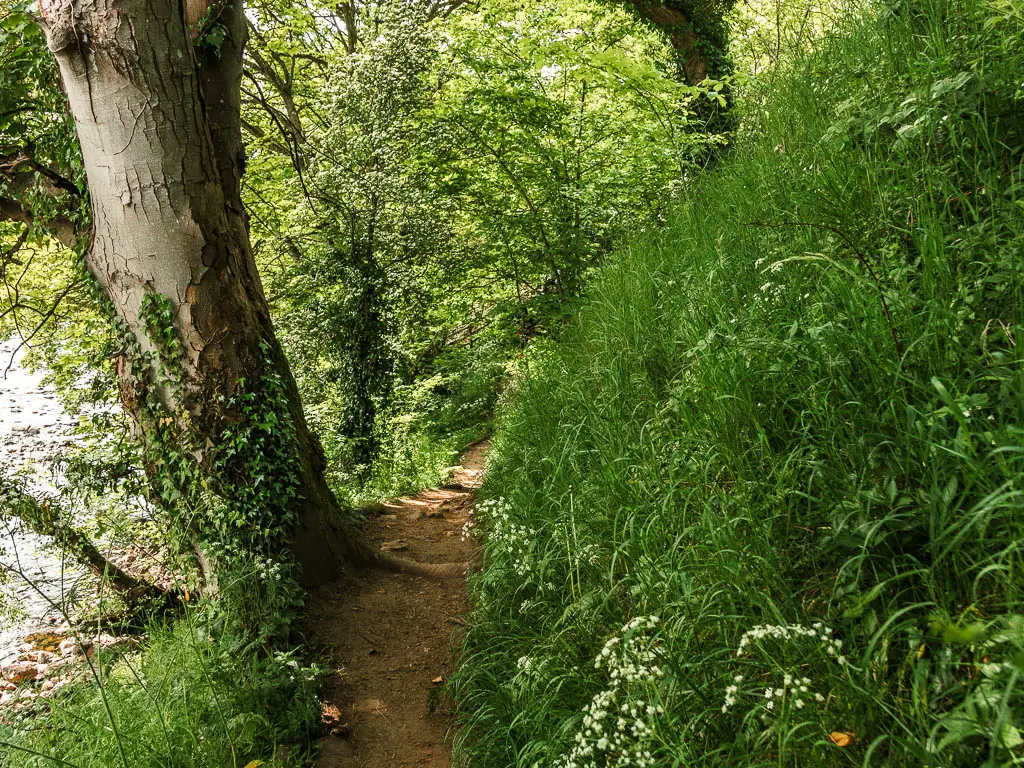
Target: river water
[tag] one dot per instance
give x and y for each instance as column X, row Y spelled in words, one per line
column 33, row 431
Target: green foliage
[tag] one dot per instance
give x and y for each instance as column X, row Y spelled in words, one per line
column 375, row 239
column 789, row 427
column 453, row 181
column 235, row 508
column 38, row 146
column 567, row 130
column 183, row 699
column 768, row 36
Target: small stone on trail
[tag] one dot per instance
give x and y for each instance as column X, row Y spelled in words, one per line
column 333, row 724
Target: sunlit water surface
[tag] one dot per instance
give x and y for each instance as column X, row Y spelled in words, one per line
column 33, row 430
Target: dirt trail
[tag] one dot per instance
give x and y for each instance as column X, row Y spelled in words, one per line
column 389, row 635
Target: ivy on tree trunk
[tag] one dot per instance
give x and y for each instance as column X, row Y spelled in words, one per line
column 153, row 86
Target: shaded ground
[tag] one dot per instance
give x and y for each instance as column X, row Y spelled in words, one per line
column 389, row 635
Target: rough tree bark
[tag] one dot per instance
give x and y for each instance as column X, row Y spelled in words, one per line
column 157, row 116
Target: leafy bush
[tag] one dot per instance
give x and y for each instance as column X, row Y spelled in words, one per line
column 791, row 428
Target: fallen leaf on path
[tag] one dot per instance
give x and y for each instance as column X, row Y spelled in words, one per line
column 842, row 738
column 393, row 546
column 438, row 679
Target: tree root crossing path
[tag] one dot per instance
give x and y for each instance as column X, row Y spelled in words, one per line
column 388, row 636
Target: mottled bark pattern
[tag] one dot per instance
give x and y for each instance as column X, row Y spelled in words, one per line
column 158, row 119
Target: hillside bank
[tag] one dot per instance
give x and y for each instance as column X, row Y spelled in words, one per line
column 762, row 504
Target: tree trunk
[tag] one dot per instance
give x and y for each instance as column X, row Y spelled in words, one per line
column 696, row 30
column 368, row 361
column 157, row 114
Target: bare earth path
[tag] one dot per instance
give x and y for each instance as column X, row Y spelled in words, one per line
column 389, row 635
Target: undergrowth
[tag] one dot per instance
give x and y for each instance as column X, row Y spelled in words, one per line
column 183, row 699
column 764, row 503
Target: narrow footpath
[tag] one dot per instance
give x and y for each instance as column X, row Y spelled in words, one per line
column 389, row 635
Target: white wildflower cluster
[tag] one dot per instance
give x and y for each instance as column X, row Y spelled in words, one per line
column 469, row 530
column 529, row 670
column 630, row 657
column 769, row 291
column 528, row 605
column 588, row 553
column 506, row 536
column 579, row 555
column 787, row 633
column 618, row 723
column 775, row 266
column 794, row 690
column 267, row 569
column 731, row 692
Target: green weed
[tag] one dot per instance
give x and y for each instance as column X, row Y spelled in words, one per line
column 183, row 700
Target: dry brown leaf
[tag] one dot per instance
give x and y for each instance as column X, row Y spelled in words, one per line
column 438, row 679
column 842, row 738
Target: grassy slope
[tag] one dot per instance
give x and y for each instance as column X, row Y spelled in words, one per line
column 802, row 402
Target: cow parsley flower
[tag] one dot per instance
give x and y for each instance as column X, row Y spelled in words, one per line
column 617, row 728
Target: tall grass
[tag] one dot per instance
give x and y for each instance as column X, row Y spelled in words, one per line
column 182, row 700
column 764, row 504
